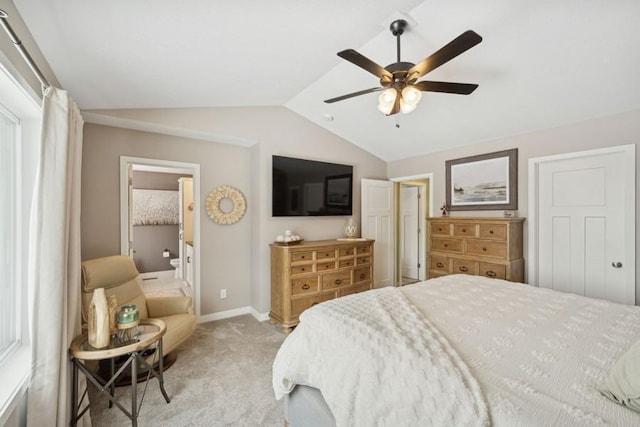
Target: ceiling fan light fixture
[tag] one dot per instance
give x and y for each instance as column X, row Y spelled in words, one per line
column 411, row 95
column 387, row 100
column 410, row 99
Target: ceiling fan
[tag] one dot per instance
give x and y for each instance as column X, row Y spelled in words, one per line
column 398, row 81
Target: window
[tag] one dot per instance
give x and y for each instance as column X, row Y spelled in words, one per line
column 9, row 286
column 20, row 123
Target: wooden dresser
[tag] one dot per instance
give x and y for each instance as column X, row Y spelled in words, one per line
column 315, row 271
column 490, row 247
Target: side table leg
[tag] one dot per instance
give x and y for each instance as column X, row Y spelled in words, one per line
column 74, row 394
column 134, row 389
column 161, row 372
column 112, row 389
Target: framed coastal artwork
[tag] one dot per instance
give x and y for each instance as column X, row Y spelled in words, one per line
column 483, row 182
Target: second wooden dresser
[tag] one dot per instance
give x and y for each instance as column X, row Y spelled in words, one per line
column 315, row 271
column 490, row 247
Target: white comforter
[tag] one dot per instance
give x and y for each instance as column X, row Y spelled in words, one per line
column 378, row 362
column 537, row 355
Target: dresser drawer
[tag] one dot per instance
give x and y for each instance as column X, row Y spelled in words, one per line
column 363, row 249
column 495, row 271
column 356, row 289
column 325, row 254
column 493, row 231
column 464, row 266
column 433, row 274
column 336, row 280
column 464, row 230
column 446, row 245
column 363, row 260
column 360, row 274
column 441, row 229
column 439, row 263
column 301, row 269
column 487, row 248
column 299, row 305
column 345, row 252
column 324, row 266
column 301, row 256
column 304, row 285
column 347, row 263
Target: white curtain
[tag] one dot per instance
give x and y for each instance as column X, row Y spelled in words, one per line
column 54, row 262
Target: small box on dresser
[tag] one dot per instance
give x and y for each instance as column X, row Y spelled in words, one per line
column 490, row 247
column 311, row 272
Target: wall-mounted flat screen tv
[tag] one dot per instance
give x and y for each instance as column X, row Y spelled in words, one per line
column 310, row 188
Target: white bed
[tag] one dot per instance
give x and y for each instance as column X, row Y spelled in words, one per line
column 461, row 350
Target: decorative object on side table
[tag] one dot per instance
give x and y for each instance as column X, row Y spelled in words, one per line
column 483, row 182
column 99, row 333
column 128, row 318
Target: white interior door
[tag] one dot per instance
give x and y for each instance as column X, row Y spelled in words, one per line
column 409, row 228
column 377, row 206
column 584, row 209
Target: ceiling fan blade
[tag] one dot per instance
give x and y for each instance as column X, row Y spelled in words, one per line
column 461, row 44
column 364, row 63
column 351, row 95
column 446, row 87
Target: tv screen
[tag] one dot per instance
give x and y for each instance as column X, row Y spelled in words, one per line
column 309, row 188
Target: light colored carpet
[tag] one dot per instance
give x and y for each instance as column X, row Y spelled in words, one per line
column 222, row 378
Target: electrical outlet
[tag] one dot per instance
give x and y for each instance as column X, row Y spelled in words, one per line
column 223, row 293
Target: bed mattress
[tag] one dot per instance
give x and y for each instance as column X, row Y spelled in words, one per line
column 537, row 355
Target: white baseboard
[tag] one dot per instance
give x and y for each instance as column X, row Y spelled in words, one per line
column 260, row 317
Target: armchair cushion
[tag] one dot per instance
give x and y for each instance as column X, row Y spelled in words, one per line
column 166, row 306
column 179, row 328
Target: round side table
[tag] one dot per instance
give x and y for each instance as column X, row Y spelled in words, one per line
column 149, row 334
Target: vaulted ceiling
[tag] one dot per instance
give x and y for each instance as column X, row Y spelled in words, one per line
column 541, row 64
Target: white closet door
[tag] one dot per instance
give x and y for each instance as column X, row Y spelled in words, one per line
column 377, row 223
column 586, row 224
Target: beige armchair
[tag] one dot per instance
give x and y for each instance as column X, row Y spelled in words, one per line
column 118, row 275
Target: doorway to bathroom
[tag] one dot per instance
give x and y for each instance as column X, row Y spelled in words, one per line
column 160, row 224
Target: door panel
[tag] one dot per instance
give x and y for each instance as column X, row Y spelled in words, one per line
column 584, row 225
column 409, row 230
column 377, row 223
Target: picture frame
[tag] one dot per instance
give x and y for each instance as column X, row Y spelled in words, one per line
column 338, row 191
column 483, row 182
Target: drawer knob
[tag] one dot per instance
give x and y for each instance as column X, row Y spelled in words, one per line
column 302, row 269
column 484, row 249
column 337, row 281
column 305, row 286
column 490, row 231
column 439, row 265
column 491, row 273
column 446, row 245
column 464, row 230
column 303, row 257
column 363, row 275
column 463, row 268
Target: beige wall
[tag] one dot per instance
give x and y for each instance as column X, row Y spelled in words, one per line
column 224, row 249
column 621, row 129
column 235, row 257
